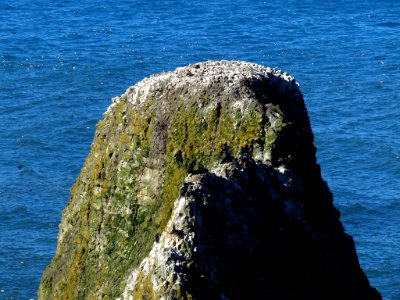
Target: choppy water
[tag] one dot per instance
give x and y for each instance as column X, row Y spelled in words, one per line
column 62, row 61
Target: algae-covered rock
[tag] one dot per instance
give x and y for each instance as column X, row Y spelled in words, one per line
column 202, row 183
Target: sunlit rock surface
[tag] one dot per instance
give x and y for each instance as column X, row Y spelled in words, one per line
column 202, row 183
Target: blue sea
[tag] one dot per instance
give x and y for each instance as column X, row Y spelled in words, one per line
column 62, row 61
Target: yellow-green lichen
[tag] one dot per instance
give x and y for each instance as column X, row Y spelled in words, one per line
column 106, row 227
column 124, row 195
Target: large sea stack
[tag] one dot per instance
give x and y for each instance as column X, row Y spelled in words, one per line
column 202, row 183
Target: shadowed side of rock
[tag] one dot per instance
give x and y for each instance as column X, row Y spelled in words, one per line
column 254, row 239
column 241, row 231
column 202, row 183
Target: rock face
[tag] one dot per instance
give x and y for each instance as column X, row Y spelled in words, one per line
column 202, row 183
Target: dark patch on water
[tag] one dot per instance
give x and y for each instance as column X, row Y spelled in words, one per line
column 389, row 24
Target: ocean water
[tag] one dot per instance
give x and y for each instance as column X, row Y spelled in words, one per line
column 62, row 61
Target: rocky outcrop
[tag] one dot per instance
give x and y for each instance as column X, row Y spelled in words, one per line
column 202, row 183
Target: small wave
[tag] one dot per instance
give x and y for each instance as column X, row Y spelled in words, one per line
column 12, row 211
column 371, row 207
column 355, row 208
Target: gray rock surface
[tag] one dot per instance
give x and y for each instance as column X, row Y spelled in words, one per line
column 202, row 183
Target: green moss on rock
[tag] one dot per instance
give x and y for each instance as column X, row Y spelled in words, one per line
column 145, row 146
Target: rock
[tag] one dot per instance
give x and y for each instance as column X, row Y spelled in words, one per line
column 202, row 183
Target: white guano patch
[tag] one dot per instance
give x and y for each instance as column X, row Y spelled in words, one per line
column 202, row 75
column 167, row 254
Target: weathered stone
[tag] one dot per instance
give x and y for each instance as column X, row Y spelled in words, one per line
column 202, row 183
